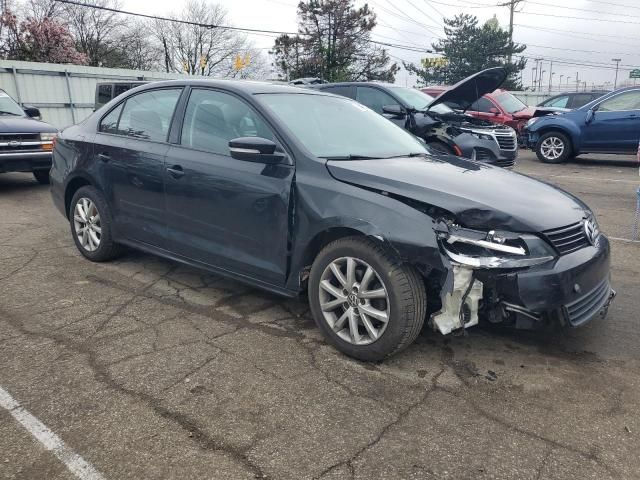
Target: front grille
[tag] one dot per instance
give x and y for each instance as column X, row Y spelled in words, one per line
column 19, row 137
column 505, row 162
column 482, row 154
column 568, row 239
column 506, row 142
column 19, row 142
column 588, row 305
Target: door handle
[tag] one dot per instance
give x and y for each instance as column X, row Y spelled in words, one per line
column 105, row 157
column 175, row 171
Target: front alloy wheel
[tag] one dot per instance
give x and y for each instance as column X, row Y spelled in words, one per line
column 365, row 300
column 87, row 224
column 553, row 147
column 354, row 301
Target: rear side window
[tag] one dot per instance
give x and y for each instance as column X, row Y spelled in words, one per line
column 374, row 99
column 104, row 94
column 345, row 91
column 624, row 101
column 482, row 105
column 213, row 118
column 148, row 115
column 560, row 102
column 109, row 123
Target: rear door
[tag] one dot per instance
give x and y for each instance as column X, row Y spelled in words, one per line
column 615, row 126
column 130, row 145
column 221, row 211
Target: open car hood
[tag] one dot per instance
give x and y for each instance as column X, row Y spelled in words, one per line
column 480, row 196
column 467, row 91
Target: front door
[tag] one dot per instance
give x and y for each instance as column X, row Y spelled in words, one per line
column 224, row 212
column 615, row 126
column 376, row 99
column 131, row 145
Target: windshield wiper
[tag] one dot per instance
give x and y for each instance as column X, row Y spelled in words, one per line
column 412, row 154
column 351, row 157
column 4, row 112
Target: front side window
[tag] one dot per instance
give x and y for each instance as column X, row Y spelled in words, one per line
column 623, row 101
column 148, row 115
column 339, row 128
column 213, row 118
column 374, row 99
column 419, row 100
column 482, row 105
column 510, row 104
column 8, row 106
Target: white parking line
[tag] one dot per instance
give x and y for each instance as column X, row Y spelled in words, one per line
column 600, row 180
column 628, row 240
column 74, row 462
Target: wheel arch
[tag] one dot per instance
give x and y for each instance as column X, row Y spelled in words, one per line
column 72, row 187
column 559, row 129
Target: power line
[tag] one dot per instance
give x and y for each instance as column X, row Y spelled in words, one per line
column 614, row 4
column 224, row 27
column 582, row 18
column 531, row 2
column 438, row 23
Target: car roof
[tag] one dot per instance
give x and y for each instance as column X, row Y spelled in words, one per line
column 351, row 84
column 243, row 86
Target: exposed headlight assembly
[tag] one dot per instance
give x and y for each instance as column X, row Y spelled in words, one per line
column 479, row 135
column 47, row 137
column 531, row 121
column 495, row 249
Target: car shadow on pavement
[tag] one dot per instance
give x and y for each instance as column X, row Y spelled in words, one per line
column 10, row 182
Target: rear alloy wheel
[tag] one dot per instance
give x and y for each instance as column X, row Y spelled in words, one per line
column 553, row 147
column 366, row 303
column 42, row 176
column 90, row 221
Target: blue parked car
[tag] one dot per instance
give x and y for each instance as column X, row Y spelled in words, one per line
column 609, row 124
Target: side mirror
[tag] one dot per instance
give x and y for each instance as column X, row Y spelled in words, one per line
column 396, row 110
column 590, row 114
column 494, row 110
column 255, row 149
column 32, row 112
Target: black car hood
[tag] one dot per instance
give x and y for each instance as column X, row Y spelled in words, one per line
column 12, row 124
column 467, row 91
column 480, row 196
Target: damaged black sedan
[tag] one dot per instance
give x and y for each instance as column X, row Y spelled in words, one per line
column 295, row 190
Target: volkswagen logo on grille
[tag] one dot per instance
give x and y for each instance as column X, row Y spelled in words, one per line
column 591, row 231
column 14, row 143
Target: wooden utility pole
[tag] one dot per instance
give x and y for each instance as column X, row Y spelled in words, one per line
column 512, row 4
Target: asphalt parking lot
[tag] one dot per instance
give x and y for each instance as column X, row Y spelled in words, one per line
column 148, row 369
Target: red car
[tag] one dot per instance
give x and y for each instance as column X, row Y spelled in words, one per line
column 499, row 107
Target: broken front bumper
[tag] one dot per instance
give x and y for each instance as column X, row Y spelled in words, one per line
column 575, row 287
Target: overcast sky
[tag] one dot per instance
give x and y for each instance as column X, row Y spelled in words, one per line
column 605, row 30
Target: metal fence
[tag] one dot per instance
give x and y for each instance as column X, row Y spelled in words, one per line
column 65, row 94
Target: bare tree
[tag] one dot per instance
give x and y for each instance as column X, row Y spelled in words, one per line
column 96, row 31
column 40, row 9
column 201, row 48
column 137, row 48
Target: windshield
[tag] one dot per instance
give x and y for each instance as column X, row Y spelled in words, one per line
column 340, row 128
column 8, row 106
column 418, row 100
column 510, row 103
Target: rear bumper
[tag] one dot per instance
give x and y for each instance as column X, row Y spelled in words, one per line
column 575, row 287
column 25, row 161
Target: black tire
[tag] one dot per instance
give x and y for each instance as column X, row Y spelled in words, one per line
column 107, row 249
column 440, row 147
column 42, row 176
column 407, row 301
column 559, row 137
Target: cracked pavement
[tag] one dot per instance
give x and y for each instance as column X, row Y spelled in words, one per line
column 150, row 369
